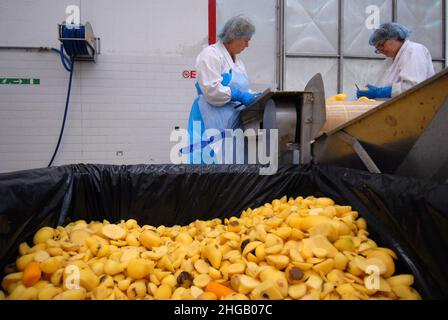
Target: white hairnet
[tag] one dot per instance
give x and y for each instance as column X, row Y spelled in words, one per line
column 236, row 28
column 389, row 31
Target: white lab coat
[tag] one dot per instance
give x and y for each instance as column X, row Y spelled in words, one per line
column 412, row 65
column 211, row 63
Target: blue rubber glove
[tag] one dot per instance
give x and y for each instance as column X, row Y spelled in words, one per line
column 375, row 92
column 226, row 78
column 245, row 98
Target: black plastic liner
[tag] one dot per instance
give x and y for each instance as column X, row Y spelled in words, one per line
column 407, row 215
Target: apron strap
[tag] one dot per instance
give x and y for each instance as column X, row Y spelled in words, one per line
column 203, row 144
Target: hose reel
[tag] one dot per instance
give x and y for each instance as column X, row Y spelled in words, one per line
column 79, row 41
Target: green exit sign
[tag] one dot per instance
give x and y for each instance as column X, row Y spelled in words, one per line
column 19, row 81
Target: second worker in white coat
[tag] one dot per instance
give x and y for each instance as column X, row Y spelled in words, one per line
column 408, row 63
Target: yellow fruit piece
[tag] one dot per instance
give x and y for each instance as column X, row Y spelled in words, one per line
column 51, row 265
column 345, row 244
column 184, row 238
column 139, row 268
column 278, row 278
column 236, row 268
column 297, row 291
column 341, row 97
column 326, row 229
column 129, row 253
column 169, row 280
column 387, row 261
column 24, row 248
column 202, row 280
column 48, row 293
column 207, row 296
column 112, row 267
column 22, row 293
column 406, row 293
column 311, row 221
column 213, row 254
column 88, row 279
column 324, row 267
column 150, row 239
column 267, row 291
column 114, row 232
column 123, row 285
column 317, row 242
column 315, row 282
column 401, row 280
column 201, row 266
column 23, row 261
column 326, row 202
column 43, row 235
column 11, row 278
column 132, row 240
column 78, row 294
column 137, row 290
column 79, row 237
column 280, row 262
column 244, row 284
column 164, row 292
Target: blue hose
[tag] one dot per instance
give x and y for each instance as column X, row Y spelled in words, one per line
column 65, row 113
column 64, row 58
column 73, row 48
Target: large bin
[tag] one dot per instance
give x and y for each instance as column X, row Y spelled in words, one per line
column 407, row 215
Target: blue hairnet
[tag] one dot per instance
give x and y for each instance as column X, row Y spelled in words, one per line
column 389, row 31
column 236, row 28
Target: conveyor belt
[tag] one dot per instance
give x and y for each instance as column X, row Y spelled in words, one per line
column 391, row 131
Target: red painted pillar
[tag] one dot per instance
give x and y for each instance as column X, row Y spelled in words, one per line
column 211, row 21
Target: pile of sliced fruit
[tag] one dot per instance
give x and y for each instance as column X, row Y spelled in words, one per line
column 302, row 248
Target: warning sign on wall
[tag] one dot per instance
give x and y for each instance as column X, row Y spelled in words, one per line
column 189, row 74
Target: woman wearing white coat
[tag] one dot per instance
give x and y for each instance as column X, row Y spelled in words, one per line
column 408, row 63
column 223, row 89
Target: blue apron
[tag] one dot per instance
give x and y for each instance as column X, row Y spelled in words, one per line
column 212, row 117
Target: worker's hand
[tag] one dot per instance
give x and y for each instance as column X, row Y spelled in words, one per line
column 245, row 98
column 373, row 92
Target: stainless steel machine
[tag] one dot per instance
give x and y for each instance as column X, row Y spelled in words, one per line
column 297, row 115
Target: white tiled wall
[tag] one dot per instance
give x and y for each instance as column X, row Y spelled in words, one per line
column 117, row 104
column 123, row 107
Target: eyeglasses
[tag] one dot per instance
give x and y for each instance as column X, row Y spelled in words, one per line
column 380, row 47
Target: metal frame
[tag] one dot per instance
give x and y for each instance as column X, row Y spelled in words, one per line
column 305, row 128
column 360, row 151
column 341, row 27
column 394, row 10
column 283, row 55
column 445, row 34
